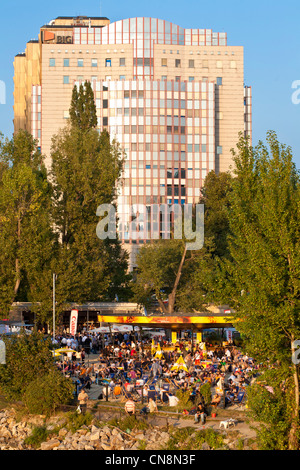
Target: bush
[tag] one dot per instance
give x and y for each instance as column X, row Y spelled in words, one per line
column 188, row 439
column 39, row 434
column 27, row 358
column 77, row 420
column 184, row 399
column 45, row 393
column 205, row 391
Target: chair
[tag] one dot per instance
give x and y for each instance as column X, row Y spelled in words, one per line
column 152, row 394
column 240, row 398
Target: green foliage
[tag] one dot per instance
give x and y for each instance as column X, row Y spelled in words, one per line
column 189, row 439
column 205, row 390
column 260, row 278
column 83, row 109
column 27, row 358
column 184, row 399
column 271, row 408
column 26, row 237
column 129, row 422
column 85, row 170
column 76, row 420
column 158, row 265
column 39, row 434
column 45, row 393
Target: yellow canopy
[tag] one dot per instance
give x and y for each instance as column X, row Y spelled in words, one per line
column 158, row 351
column 180, row 365
column 64, row 350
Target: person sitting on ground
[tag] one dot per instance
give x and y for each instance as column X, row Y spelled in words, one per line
column 200, row 414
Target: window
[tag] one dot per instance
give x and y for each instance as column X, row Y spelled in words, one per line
column 219, row 81
column 105, row 121
column 191, row 63
column 52, row 62
column 219, row 149
column 191, row 79
column 107, row 62
column 66, row 62
column 94, row 63
column 66, row 79
column 122, row 62
column 177, row 63
column 164, row 62
column 122, row 77
column 105, row 103
column 177, row 79
column 164, row 78
column 79, row 62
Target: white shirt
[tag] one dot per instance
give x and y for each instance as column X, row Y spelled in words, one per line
column 173, row 401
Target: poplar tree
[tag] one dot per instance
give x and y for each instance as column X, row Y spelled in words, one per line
column 86, row 167
column 83, row 109
column 261, row 281
column 26, row 237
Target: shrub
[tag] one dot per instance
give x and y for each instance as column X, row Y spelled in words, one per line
column 27, row 358
column 76, row 420
column 39, row 434
column 47, row 392
column 205, row 391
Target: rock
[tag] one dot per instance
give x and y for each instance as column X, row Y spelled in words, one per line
column 95, row 436
column 205, row 446
column 50, row 445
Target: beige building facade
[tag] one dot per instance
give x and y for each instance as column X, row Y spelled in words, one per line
column 174, row 98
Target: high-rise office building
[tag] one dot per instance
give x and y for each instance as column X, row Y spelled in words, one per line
column 174, row 98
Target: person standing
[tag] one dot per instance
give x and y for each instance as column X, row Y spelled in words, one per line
column 83, row 399
column 130, row 406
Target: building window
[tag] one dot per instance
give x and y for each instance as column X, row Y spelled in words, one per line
column 164, row 78
column 177, row 79
column 122, row 62
column 105, row 104
column 219, row 81
column 66, row 62
column 191, row 63
column 94, row 63
column 219, row 149
column 80, row 62
column 177, row 63
column 107, row 62
column 66, row 79
column 105, row 121
column 164, row 62
column 191, row 79
column 52, row 62
column 122, row 77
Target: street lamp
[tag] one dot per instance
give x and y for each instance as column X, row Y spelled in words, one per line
column 54, row 278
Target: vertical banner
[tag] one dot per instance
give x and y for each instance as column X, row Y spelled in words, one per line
column 73, row 322
column 229, row 336
column 2, row 352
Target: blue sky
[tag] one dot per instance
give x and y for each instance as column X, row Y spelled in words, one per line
column 268, row 30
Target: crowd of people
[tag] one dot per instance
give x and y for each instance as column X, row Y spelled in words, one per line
column 133, row 368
